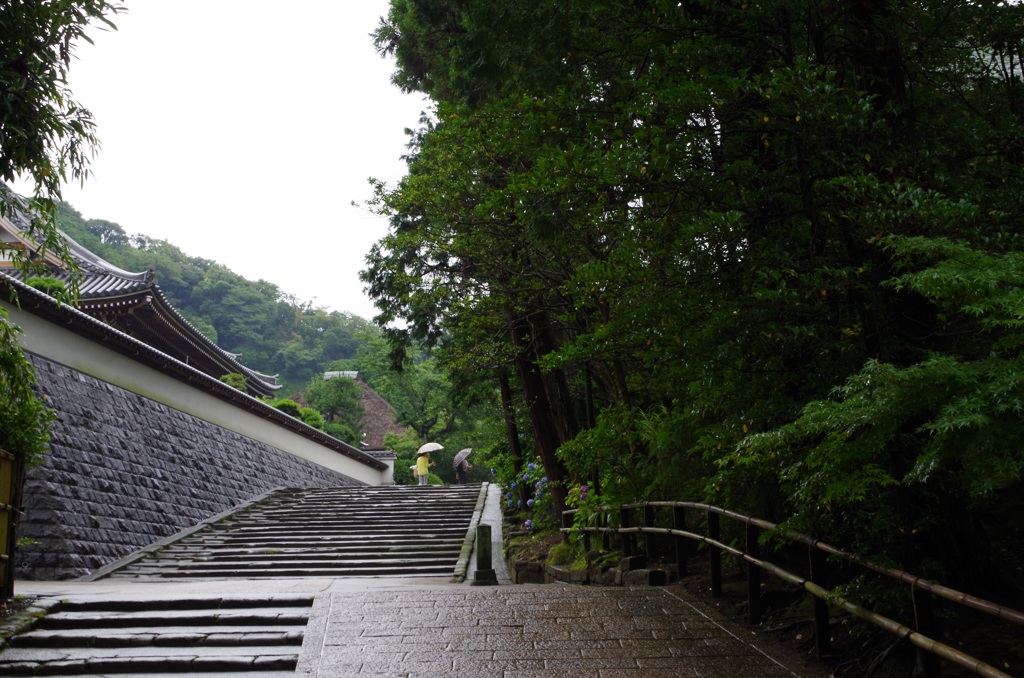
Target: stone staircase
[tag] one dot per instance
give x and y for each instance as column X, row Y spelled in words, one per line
column 211, row 636
column 335, row 532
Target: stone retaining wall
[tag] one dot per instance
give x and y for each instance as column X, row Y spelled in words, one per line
column 124, row 471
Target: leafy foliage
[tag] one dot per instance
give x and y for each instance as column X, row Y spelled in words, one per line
column 47, row 137
column 51, row 286
column 45, row 134
column 288, row 406
column 766, row 254
column 24, row 418
column 338, row 400
column 235, row 380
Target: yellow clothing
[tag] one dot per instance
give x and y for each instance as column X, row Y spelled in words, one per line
column 423, row 465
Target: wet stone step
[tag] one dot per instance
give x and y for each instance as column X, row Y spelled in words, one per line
column 306, row 526
column 298, row 561
column 399, row 528
column 401, row 524
column 312, row 536
column 263, row 549
column 271, row 546
column 164, row 636
column 280, row 573
column 332, row 557
column 120, row 619
column 192, row 665
column 202, row 603
column 254, row 550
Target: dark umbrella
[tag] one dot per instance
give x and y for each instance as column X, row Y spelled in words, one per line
column 461, row 456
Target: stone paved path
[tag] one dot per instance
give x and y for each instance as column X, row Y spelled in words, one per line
column 523, row 632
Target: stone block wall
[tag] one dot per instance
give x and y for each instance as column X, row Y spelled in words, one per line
column 124, row 471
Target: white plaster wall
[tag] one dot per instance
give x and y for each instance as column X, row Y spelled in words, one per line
column 51, row 341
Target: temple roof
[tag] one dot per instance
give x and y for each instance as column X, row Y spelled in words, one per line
column 133, row 304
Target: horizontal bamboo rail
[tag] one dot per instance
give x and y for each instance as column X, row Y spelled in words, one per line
column 921, row 589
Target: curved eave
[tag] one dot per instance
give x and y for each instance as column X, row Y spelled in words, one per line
column 264, row 383
column 42, row 305
column 90, row 261
column 115, row 296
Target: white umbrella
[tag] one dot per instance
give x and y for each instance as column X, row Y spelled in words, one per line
column 461, row 456
column 429, row 447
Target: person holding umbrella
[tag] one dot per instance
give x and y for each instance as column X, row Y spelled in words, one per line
column 423, row 462
column 462, row 466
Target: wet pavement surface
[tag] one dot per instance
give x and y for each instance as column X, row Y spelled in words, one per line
column 525, row 631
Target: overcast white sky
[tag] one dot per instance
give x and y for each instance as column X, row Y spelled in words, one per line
column 242, row 130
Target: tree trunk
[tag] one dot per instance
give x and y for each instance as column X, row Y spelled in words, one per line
column 542, row 411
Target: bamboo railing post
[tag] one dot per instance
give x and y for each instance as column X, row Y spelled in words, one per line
column 753, row 535
column 822, row 632
column 566, row 525
column 606, row 541
column 682, row 543
column 627, row 538
column 648, row 537
column 715, row 554
column 924, row 618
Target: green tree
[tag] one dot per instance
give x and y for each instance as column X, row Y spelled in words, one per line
column 48, row 138
column 339, row 401
column 45, row 135
column 688, row 230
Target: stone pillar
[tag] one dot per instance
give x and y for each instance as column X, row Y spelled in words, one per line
column 484, row 575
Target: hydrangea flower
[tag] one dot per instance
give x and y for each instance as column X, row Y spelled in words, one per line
column 511, row 503
column 493, row 472
column 530, row 467
column 528, row 525
column 583, row 491
column 529, row 502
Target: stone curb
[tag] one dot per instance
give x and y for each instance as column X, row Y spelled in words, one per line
column 462, row 565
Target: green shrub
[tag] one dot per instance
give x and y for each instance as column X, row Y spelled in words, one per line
column 51, row 286
column 570, row 554
column 24, row 418
column 312, row 417
column 287, row 406
column 235, row 381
